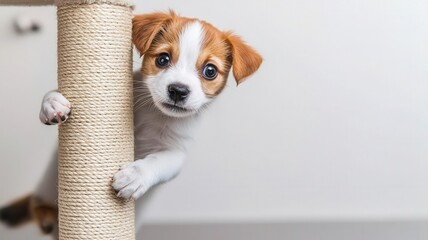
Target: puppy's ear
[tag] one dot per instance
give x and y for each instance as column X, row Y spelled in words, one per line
column 245, row 60
column 146, row 26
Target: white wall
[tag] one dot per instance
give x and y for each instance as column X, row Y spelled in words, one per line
column 27, row 71
column 333, row 126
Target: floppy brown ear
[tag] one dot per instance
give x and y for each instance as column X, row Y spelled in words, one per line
column 146, row 26
column 245, row 60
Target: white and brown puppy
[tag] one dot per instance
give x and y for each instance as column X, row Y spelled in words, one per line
column 186, row 64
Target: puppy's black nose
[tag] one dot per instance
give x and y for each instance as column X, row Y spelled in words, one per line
column 178, row 92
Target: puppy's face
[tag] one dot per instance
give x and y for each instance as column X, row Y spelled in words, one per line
column 187, row 61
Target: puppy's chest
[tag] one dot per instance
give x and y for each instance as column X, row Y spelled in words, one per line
column 154, row 133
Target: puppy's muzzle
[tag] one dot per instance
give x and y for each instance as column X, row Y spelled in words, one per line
column 178, row 92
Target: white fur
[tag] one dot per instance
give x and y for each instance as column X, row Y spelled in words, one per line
column 184, row 72
column 54, row 106
column 159, row 138
column 160, row 134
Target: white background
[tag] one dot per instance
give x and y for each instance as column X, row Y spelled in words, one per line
column 334, row 126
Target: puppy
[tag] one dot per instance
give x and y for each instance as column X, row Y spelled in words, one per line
column 185, row 67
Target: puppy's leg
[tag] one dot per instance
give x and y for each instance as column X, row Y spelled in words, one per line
column 40, row 206
column 16, row 213
column 135, row 178
column 45, row 215
column 55, row 108
column 31, row 208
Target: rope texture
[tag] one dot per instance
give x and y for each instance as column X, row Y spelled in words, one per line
column 128, row 3
column 95, row 74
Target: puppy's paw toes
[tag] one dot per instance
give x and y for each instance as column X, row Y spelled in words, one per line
column 55, row 109
column 132, row 181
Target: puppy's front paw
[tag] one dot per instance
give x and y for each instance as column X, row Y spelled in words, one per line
column 55, row 108
column 133, row 180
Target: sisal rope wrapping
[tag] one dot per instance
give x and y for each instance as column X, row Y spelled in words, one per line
column 95, row 75
column 128, row 3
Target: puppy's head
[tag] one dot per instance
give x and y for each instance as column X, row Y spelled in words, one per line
column 187, row 61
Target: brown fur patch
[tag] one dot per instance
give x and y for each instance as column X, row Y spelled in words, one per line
column 145, row 28
column 45, row 215
column 216, row 51
column 245, row 59
column 30, row 208
column 16, row 213
column 166, row 41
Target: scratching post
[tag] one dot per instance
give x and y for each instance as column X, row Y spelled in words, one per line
column 95, row 75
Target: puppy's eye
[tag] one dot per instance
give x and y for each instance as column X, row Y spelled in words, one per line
column 209, row 72
column 163, row 60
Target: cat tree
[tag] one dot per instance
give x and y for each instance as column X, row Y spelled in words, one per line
column 95, row 75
